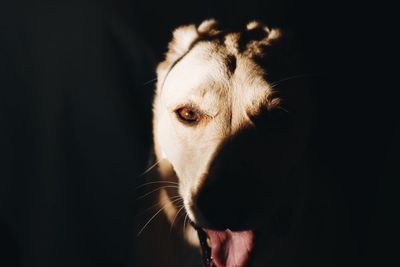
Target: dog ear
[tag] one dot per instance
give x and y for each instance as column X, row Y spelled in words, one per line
column 256, row 38
column 183, row 39
column 208, row 27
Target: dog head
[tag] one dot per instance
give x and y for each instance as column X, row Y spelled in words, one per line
column 230, row 123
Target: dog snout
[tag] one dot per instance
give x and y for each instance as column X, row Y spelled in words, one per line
column 236, row 193
column 222, row 207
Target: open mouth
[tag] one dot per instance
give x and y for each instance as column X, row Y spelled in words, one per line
column 225, row 248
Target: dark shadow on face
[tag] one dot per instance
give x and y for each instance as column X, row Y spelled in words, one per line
column 253, row 173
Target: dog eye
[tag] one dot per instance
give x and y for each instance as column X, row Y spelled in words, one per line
column 188, row 115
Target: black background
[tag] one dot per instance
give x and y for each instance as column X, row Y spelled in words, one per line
column 75, row 119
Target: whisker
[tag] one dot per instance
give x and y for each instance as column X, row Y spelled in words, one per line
column 184, row 224
column 152, row 80
column 157, row 189
column 183, row 214
column 285, row 110
column 152, row 217
column 274, row 84
column 156, row 182
column 150, row 168
column 176, row 215
column 158, row 204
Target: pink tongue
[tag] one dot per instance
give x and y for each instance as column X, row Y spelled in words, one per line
column 230, row 249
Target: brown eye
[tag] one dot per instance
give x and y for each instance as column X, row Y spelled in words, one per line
column 188, row 115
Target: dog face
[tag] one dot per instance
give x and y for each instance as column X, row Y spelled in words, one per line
column 231, row 136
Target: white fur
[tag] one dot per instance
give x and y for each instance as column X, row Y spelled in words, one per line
column 201, row 77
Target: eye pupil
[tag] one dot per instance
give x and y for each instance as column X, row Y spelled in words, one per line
column 188, row 115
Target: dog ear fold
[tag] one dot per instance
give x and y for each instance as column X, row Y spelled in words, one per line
column 182, row 40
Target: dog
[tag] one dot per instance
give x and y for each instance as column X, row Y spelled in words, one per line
column 231, row 124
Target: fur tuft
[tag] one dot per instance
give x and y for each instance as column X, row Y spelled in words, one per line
column 259, row 36
column 208, row 27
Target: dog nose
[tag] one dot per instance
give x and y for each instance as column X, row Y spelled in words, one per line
column 223, row 207
column 227, row 198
